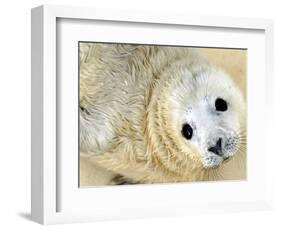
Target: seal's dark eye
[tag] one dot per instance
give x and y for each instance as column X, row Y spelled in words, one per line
column 187, row 131
column 221, row 105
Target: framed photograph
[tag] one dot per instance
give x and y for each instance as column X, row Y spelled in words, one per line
column 141, row 114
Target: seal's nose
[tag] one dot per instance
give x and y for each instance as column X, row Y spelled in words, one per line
column 217, row 149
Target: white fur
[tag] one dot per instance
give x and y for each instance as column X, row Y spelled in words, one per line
column 198, row 110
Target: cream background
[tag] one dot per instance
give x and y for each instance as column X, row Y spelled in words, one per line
column 232, row 61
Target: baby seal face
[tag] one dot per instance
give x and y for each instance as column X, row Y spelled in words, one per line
column 207, row 110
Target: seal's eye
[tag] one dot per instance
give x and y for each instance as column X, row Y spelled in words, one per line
column 221, row 105
column 187, row 131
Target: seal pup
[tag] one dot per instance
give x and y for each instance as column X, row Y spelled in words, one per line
column 152, row 114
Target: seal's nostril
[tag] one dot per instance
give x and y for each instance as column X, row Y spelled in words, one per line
column 213, row 150
column 219, row 143
column 217, row 149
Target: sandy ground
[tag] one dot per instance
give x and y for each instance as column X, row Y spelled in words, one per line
column 232, row 61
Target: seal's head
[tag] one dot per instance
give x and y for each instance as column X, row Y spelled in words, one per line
column 199, row 115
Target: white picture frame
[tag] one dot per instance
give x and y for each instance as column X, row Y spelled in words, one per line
column 49, row 187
